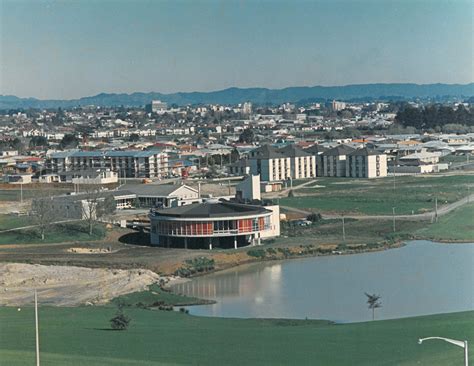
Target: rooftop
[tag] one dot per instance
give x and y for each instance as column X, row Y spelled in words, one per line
column 212, row 210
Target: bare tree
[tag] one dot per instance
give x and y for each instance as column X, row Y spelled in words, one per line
column 373, row 302
column 43, row 212
column 96, row 204
column 91, row 196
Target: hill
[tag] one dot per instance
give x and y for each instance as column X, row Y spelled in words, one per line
column 361, row 92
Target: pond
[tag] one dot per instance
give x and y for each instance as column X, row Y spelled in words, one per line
column 420, row 278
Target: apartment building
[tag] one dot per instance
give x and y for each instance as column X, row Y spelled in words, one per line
column 366, row 163
column 277, row 164
column 334, row 161
column 129, row 164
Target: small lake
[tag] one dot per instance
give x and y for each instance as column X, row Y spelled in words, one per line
column 420, row 278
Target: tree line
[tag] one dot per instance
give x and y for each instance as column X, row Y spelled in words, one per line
column 434, row 116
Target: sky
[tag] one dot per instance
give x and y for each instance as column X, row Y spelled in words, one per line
column 71, row 48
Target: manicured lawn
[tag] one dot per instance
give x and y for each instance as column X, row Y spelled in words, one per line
column 82, row 336
column 378, row 196
column 457, row 225
column 55, row 234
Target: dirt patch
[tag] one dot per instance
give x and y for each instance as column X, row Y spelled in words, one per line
column 69, row 285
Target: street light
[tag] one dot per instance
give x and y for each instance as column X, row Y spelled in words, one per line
column 462, row 344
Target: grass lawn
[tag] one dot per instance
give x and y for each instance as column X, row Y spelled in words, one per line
column 82, row 336
column 13, row 221
column 457, row 225
column 55, row 234
column 356, row 231
column 377, row 197
column 154, row 297
column 15, row 194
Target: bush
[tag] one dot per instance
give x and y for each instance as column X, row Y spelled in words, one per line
column 291, row 193
column 258, row 253
column 120, row 321
column 314, row 217
column 195, row 265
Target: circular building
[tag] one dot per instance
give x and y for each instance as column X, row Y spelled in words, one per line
column 213, row 224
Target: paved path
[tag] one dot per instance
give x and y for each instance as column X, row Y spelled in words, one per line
column 442, row 210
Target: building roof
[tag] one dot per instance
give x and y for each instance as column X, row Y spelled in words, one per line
column 212, row 209
column 154, row 190
column 365, row 151
column 106, row 153
column 293, row 151
column 339, row 150
column 316, row 149
column 266, row 152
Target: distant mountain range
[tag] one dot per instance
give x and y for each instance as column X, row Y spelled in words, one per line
column 362, row 92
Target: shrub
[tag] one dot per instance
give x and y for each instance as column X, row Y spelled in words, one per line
column 314, row 217
column 291, row 193
column 258, row 253
column 120, row 321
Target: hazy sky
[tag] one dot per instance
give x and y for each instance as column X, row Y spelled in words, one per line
column 68, row 49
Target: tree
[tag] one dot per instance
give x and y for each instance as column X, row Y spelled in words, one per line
column 247, row 136
column 95, row 205
column 120, row 321
column 38, row 141
column 314, row 217
column 134, row 137
column 373, row 302
column 43, row 213
column 69, row 141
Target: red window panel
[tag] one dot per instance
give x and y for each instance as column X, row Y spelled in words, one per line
column 261, row 223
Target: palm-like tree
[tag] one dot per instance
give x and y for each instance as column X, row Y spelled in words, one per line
column 373, row 302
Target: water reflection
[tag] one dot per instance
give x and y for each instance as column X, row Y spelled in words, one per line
column 421, row 278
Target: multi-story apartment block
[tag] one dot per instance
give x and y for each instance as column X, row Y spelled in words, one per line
column 303, row 164
column 366, row 163
column 275, row 164
column 130, row 164
column 334, row 161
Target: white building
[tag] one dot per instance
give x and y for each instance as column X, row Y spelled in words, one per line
column 366, row 163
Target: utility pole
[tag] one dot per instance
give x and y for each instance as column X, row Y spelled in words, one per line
column 343, row 229
column 37, row 330
column 436, row 209
column 393, row 215
column 21, row 192
column 228, row 185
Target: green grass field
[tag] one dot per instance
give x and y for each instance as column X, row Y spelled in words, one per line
column 378, row 196
column 82, row 336
column 457, row 225
column 13, row 221
column 15, row 194
column 57, row 233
